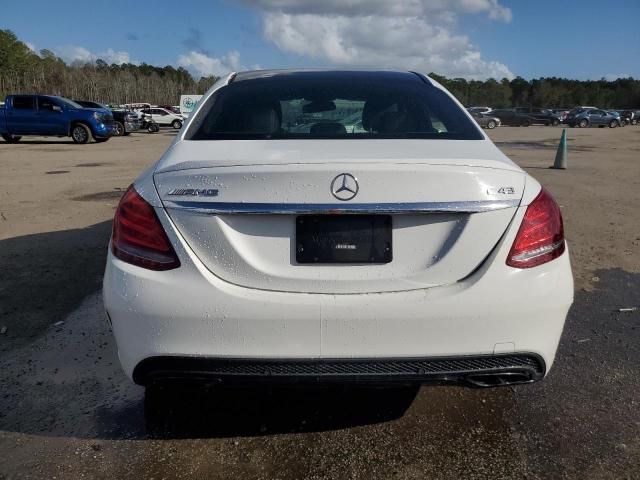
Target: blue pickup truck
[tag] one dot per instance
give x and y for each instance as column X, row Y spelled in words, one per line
column 47, row 115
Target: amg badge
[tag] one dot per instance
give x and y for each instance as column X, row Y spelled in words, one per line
column 194, row 192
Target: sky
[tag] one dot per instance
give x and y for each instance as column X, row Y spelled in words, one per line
column 474, row 39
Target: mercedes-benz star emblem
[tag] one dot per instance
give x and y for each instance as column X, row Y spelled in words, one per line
column 344, row 187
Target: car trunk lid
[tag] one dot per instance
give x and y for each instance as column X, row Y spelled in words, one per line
column 237, row 210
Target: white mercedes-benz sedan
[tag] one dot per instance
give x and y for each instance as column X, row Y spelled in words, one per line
column 336, row 226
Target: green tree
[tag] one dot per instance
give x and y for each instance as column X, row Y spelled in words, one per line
column 24, row 71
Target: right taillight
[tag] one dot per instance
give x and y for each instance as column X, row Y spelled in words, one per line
column 138, row 237
column 540, row 238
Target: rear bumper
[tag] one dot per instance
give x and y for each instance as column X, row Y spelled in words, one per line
column 475, row 371
column 188, row 321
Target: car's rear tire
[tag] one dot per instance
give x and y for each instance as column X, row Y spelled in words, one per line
column 153, row 128
column 634, row 121
column 491, row 125
column 80, row 133
column 119, row 129
column 583, row 123
column 526, row 123
column 11, row 138
column 613, row 124
column 177, row 124
column 555, row 122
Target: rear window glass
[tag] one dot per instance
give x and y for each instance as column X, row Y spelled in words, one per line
column 23, row 103
column 334, row 105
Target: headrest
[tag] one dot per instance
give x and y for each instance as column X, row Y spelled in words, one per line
column 264, row 118
column 391, row 116
column 373, row 110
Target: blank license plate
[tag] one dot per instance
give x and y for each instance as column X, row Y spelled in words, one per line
column 343, row 239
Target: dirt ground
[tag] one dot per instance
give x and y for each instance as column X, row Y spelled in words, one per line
column 599, row 193
column 67, row 411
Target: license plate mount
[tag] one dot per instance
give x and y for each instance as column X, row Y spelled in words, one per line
column 339, row 239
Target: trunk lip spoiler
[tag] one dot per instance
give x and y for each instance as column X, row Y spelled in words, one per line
column 247, row 208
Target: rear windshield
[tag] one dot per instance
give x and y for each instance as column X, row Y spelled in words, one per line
column 308, row 106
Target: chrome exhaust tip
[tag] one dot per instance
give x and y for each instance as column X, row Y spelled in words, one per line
column 497, row 379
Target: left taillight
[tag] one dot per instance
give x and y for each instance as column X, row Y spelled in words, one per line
column 540, row 238
column 138, row 237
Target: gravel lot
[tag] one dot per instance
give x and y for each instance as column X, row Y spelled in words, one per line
column 67, row 411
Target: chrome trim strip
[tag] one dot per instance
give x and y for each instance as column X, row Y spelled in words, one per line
column 222, row 208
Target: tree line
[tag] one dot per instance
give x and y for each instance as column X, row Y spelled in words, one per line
column 24, row 71
column 544, row 92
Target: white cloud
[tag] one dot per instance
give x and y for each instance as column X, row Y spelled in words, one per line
column 31, row 47
column 111, row 56
column 407, row 8
column 204, row 65
column 74, row 53
column 405, row 34
column 612, row 77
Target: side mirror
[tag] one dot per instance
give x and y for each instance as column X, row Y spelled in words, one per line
column 56, row 108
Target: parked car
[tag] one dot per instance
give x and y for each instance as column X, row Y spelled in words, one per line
column 479, row 109
column 512, row 118
column 486, row 121
column 540, row 116
column 172, row 108
column 164, row 117
column 124, row 121
column 572, row 113
column 136, row 106
column 592, row 118
column 411, row 253
column 49, row 115
column 629, row 117
column 622, row 122
column 148, row 123
column 561, row 112
column 89, row 104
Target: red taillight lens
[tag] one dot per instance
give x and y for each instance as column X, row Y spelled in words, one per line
column 138, row 237
column 541, row 235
